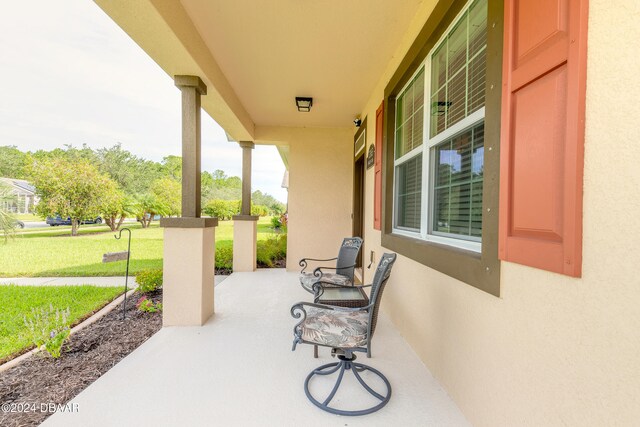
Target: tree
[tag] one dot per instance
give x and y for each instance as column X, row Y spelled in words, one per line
column 168, row 193
column 133, row 174
column 221, row 187
column 13, row 163
column 7, row 221
column 146, row 207
column 116, row 207
column 73, row 189
column 69, row 153
column 172, row 167
column 275, row 206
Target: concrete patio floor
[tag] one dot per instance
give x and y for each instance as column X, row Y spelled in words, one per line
column 239, row 370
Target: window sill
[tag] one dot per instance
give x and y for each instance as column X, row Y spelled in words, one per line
column 445, row 241
column 476, row 269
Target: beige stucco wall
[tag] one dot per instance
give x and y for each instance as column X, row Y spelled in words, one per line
column 320, row 188
column 552, row 350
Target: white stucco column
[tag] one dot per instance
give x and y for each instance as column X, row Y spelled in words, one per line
column 245, row 225
column 189, row 241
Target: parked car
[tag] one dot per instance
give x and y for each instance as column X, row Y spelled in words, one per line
column 19, row 224
column 58, row 220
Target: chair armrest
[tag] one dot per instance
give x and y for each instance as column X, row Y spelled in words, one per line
column 298, row 312
column 303, row 262
column 335, row 285
column 319, row 269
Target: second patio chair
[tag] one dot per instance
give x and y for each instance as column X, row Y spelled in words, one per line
column 340, row 275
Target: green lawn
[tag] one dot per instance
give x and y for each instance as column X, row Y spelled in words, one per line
column 54, row 253
column 17, row 301
column 65, row 230
column 28, row 217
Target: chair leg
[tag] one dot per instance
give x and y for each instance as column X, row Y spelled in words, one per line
column 315, row 351
column 347, row 364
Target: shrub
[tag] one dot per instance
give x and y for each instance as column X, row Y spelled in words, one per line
column 259, row 210
column 279, row 224
column 272, row 250
column 149, row 280
column 226, row 209
column 222, row 209
column 54, row 344
column 49, row 328
column 224, row 258
column 275, row 222
column 148, row 306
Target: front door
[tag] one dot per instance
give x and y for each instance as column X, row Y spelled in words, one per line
column 359, row 185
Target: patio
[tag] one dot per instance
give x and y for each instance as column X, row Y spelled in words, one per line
column 238, row 369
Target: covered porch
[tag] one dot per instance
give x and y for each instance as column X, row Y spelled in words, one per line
column 531, row 320
column 238, row 369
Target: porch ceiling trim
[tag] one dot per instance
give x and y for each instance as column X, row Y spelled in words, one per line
column 166, row 33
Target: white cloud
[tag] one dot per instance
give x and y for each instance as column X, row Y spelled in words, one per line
column 70, row 75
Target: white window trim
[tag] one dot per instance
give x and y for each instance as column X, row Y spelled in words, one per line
column 426, row 202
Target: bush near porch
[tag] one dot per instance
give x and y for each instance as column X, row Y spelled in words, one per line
column 41, row 254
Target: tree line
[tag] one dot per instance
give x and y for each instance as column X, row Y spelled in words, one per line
column 82, row 183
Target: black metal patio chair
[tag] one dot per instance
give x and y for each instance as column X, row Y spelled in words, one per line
column 346, row 331
column 340, row 275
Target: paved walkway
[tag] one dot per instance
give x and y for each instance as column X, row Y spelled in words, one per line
column 66, row 281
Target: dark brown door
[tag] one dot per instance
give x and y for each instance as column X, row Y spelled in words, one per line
column 358, row 185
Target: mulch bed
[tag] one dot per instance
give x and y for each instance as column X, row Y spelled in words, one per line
column 89, row 353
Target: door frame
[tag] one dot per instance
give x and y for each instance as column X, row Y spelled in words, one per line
column 359, row 183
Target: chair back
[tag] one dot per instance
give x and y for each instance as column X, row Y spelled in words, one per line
column 347, row 256
column 383, row 271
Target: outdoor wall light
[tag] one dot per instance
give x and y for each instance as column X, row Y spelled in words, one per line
column 304, row 104
column 357, row 122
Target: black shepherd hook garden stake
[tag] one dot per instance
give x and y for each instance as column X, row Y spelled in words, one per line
column 126, row 276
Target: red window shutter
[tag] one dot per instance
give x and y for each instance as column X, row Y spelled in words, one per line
column 542, row 148
column 377, row 192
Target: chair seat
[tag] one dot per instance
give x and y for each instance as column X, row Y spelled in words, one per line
column 338, row 329
column 328, row 279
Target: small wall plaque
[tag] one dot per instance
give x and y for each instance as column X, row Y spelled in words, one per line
column 371, row 156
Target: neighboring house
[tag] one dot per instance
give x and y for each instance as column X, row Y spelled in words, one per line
column 25, row 196
column 505, row 176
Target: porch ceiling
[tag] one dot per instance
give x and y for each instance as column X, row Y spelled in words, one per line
column 257, row 56
column 271, row 52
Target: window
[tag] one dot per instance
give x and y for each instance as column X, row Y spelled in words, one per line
column 439, row 146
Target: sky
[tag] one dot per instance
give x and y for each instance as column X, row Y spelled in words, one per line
column 70, row 75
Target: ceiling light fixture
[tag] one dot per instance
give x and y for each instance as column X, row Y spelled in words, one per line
column 304, row 104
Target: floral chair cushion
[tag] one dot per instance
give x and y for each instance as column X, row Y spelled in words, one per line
column 328, row 279
column 338, row 329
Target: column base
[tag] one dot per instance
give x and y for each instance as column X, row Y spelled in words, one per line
column 189, row 260
column 245, row 239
